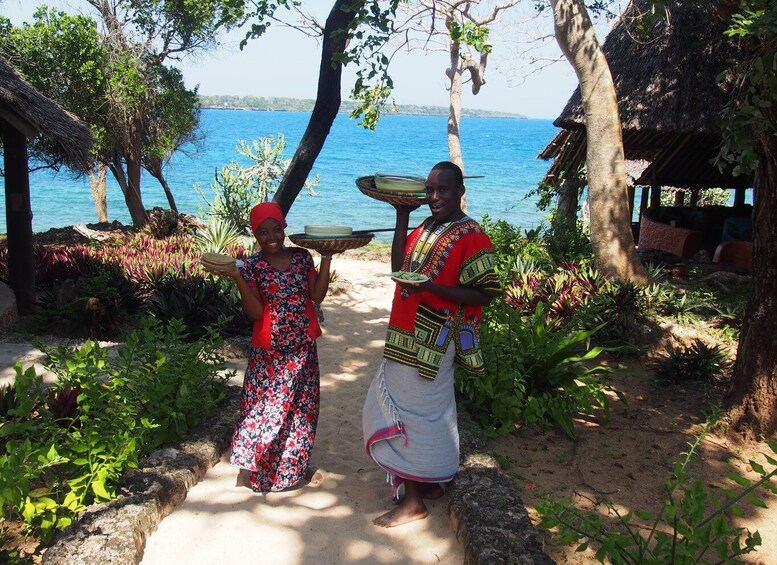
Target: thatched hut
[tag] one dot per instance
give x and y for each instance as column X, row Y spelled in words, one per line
column 672, row 83
column 26, row 114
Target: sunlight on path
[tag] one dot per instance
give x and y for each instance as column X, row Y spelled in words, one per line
column 330, row 523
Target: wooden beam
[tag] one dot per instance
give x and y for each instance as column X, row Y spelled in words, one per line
column 18, row 122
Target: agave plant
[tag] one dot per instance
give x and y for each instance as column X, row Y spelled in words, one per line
column 217, row 236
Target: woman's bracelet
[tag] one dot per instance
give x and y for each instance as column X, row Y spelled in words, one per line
column 326, row 256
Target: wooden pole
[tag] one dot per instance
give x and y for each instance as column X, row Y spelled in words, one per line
column 18, row 217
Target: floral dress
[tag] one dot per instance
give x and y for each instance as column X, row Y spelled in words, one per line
column 279, row 411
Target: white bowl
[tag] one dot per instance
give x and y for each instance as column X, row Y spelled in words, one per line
column 328, row 231
column 399, row 183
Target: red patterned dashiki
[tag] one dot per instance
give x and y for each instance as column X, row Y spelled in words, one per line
column 421, row 325
column 279, row 410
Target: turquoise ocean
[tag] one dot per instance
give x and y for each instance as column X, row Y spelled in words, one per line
column 501, row 150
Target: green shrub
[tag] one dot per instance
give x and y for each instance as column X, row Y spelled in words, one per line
column 568, row 241
column 236, row 189
column 67, row 447
column 616, row 309
column 200, row 303
column 536, row 373
column 696, row 362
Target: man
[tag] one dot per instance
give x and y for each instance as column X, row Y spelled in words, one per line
column 409, row 419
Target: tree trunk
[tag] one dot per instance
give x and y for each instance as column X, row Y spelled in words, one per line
column 99, row 191
column 118, row 173
column 156, row 172
column 454, row 112
column 133, row 154
column 611, row 237
column 18, row 218
column 752, row 400
column 335, row 40
column 454, row 73
column 132, row 197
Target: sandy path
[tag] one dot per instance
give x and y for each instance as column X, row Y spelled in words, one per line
column 329, row 523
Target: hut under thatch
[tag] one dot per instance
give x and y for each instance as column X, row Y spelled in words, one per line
column 26, row 114
column 672, row 84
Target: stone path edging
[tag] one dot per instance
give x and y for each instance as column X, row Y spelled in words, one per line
column 488, row 517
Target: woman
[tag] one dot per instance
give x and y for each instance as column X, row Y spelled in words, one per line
column 278, row 285
column 409, row 418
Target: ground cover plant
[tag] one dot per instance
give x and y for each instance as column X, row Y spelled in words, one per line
column 66, row 446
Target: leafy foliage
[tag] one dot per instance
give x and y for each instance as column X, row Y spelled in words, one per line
column 139, row 109
column 696, row 362
column 201, row 304
column 217, row 236
column 750, row 114
column 66, row 447
column 536, row 373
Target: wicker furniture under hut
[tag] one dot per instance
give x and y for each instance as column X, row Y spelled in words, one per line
column 27, row 115
column 672, row 84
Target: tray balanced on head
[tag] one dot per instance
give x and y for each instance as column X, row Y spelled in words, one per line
column 331, row 244
column 367, row 186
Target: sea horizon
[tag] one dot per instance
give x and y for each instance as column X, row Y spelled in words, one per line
column 501, row 151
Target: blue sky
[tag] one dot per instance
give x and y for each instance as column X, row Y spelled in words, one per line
column 284, row 62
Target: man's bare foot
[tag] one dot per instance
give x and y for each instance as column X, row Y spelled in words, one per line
column 314, row 477
column 402, row 514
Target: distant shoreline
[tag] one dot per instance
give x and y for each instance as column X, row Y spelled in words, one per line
column 260, row 104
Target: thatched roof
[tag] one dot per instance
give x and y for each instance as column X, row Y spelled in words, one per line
column 31, row 113
column 670, row 97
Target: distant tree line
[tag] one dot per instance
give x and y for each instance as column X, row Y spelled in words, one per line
column 306, row 105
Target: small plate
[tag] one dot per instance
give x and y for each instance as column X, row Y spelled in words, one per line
column 397, row 277
column 328, row 231
column 400, row 183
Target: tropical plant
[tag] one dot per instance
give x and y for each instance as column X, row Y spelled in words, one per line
column 568, row 241
column 67, row 447
column 200, row 303
column 564, row 291
column 696, row 362
column 536, row 373
column 217, row 235
column 236, row 189
column 618, row 309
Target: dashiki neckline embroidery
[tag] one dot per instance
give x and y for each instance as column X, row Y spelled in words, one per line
column 425, row 256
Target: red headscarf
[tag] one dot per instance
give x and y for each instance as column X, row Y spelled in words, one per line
column 264, row 211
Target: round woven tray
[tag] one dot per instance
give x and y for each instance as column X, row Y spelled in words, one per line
column 333, row 245
column 367, row 186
